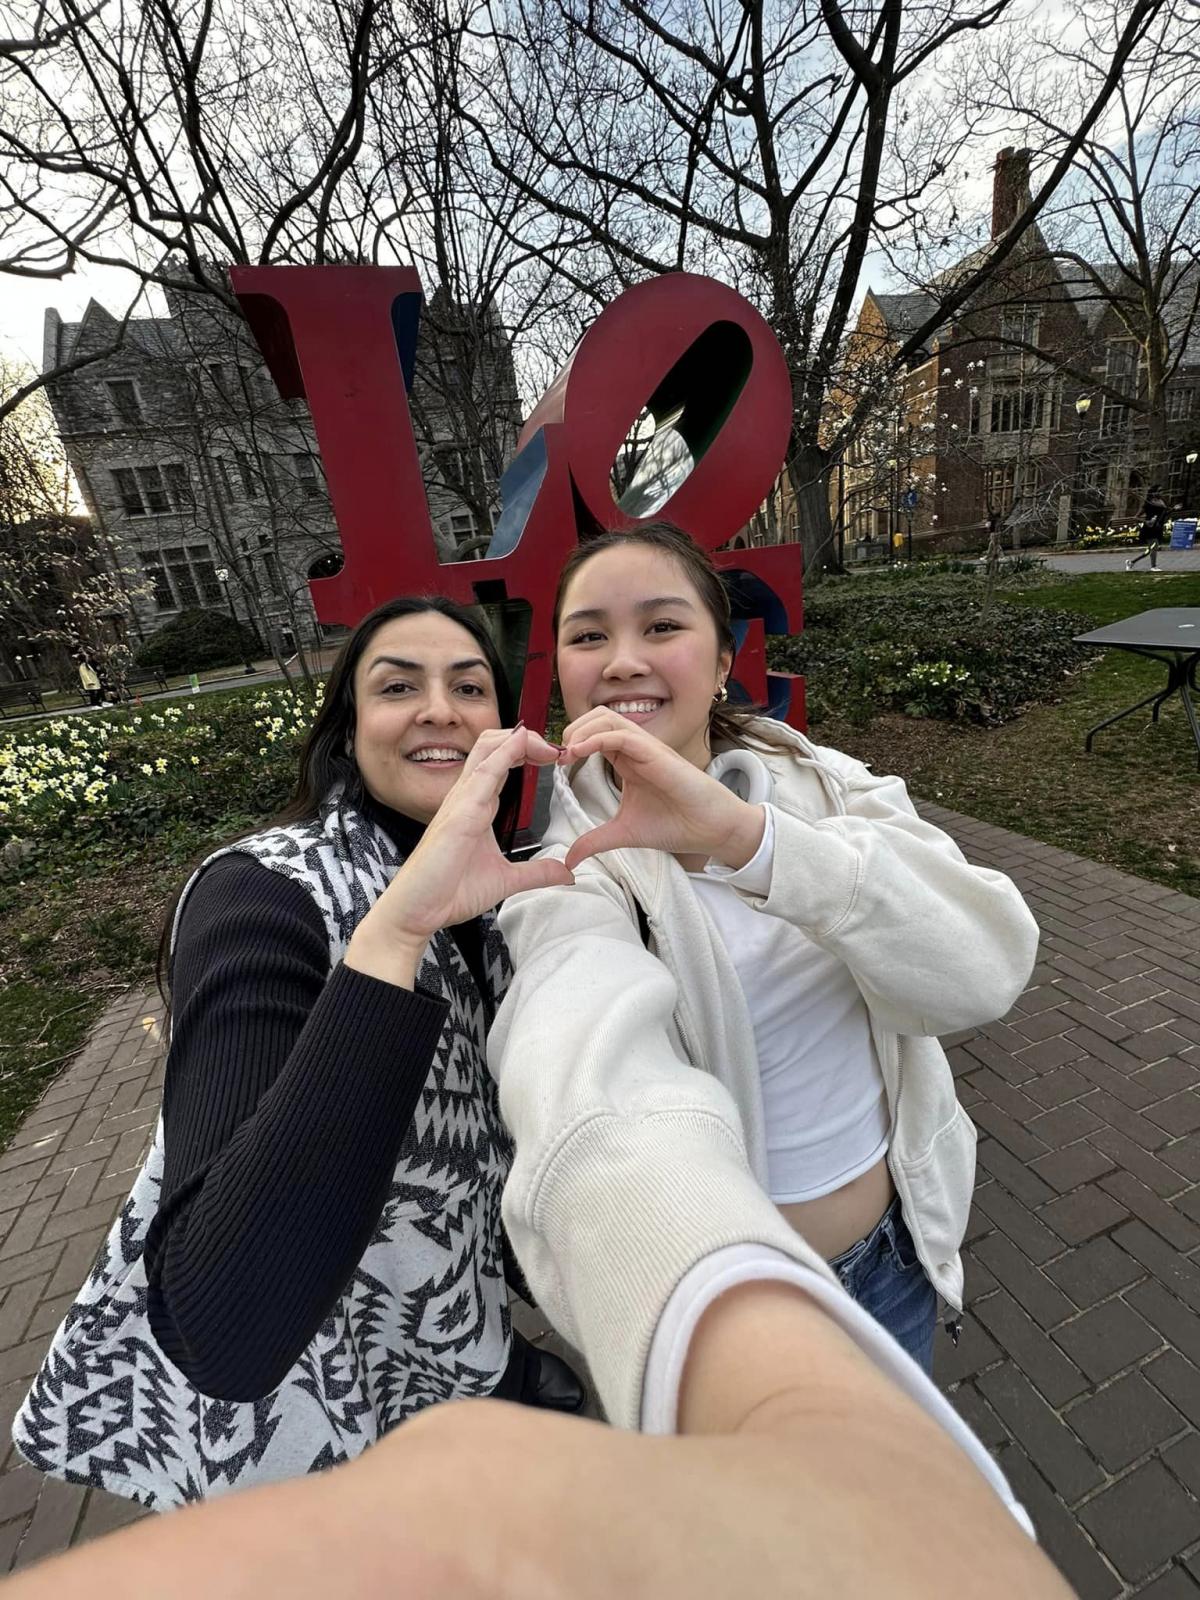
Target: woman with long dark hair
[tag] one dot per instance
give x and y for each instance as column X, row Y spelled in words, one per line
column 313, row 1251
column 765, row 910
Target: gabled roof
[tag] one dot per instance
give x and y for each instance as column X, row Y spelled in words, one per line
column 153, row 336
column 1091, row 297
column 904, row 313
column 1091, row 290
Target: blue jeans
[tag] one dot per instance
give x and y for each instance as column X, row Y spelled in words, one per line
column 883, row 1274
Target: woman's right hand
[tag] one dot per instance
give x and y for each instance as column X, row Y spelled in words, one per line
column 666, row 802
column 458, row 869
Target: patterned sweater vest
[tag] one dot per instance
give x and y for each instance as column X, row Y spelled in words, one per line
column 424, row 1318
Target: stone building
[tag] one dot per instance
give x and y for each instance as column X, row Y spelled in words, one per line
column 206, row 487
column 1129, row 450
column 983, row 428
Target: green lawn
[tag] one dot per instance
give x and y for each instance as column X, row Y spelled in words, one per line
column 64, row 961
column 80, row 920
column 1134, row 802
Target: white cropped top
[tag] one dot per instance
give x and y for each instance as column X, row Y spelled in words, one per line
column 825, row 1108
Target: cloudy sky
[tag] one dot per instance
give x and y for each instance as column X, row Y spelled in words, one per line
column 23, row 303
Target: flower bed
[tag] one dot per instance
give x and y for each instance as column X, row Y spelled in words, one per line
column 1109, row 538
column 129, row 773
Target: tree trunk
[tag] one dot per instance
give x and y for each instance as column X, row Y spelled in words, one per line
column 808, row 477
column 991, row 560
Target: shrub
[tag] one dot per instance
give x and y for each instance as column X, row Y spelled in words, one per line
column 934, row 652
column 921, row 570
column 196, row 640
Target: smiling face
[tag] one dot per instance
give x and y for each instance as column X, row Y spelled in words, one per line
column 423, row 694
column 636, row 636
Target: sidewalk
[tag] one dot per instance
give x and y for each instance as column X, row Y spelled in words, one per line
column 265, row 671
column 1080, row 561
column 1079, row 1363
column 1077, row 562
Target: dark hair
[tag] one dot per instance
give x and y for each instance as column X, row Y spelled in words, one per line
column 326, row 758
column 726, row 721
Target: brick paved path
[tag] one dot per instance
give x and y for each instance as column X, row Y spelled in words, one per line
column 1080, row 1358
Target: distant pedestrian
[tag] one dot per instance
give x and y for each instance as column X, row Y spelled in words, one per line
column 1154, row 523
column 89, row 681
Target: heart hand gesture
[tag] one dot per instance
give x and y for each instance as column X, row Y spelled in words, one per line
column 666, row 802
column 458, row 869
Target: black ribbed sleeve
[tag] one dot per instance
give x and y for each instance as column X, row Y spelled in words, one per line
column 288, row 1094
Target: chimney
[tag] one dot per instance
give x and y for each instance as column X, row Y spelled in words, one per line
column 1010, row 188
column 51, row 340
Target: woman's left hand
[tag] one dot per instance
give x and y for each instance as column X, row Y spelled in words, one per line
column 458, row 869
column 666, row 802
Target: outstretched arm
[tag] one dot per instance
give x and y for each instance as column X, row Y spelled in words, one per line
column 805, row 1474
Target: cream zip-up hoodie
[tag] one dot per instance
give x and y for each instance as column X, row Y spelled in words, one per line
column 593, row 1043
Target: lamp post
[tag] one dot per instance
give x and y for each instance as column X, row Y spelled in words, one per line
column 891, row 519
column 1190, row 458
column 223, row 580
column 909, row 501
column 1082, row 406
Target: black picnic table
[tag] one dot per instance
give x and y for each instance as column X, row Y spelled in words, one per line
column 1170, row 635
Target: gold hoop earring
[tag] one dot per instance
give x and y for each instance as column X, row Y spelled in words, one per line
column 721, row 695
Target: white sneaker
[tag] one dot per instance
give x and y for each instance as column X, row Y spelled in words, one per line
column 1129, row 566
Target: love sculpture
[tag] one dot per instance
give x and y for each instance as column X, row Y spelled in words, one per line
column 689, row 350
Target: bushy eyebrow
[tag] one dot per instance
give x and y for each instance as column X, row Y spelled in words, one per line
column 595, row 613
column 415, row 666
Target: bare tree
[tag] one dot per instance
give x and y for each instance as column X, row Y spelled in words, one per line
column 774, row 148
column 1098, row 302
column 1124, row 227
column 177, row 137
column 485, row 251
column 534, row 156
column 166, row 136
column 54, row 594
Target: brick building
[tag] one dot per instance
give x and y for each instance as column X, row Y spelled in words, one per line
column 983, row 429
column 206, row 487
